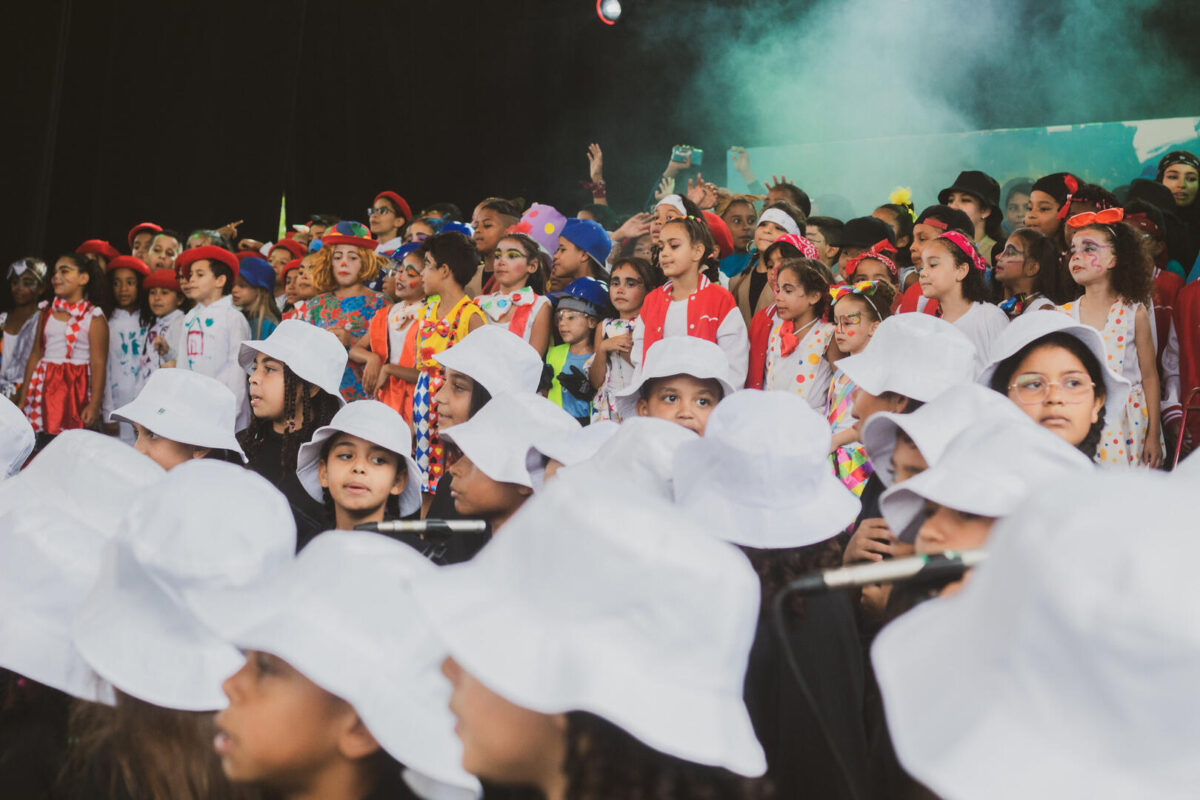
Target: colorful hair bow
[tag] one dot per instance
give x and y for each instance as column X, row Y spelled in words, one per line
column 861, row 288
column 1106, row 217
column 877, row 253
column 968, row 248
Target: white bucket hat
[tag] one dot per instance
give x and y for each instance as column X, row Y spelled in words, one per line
column 677, row 355
column 1028, row 328
column 760, row 475
column 500, row 439
column 988, row 471
column 934, row 425
column 915, row 355
column 186, row 407
column 313, row 353
column 342, row 614
column 496, row 359
column 1066, row 667
column 641, row 453
column 636, row 616
column 379, row 424
column 205, row 528
column 16, row 439
column 572, row 446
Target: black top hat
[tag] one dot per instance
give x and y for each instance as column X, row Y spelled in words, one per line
column 974, row 182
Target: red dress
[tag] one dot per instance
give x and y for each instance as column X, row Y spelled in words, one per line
column 60, row 387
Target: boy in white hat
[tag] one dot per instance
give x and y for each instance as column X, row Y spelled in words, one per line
column 681, row 379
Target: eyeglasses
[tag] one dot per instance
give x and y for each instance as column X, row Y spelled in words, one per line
column 1032, row 388
column 848, row 321
column 567, row 315
column 371, row 212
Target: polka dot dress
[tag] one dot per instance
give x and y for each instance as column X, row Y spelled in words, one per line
column 805, row 370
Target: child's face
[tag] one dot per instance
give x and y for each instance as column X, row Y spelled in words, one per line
column 409, row 285
column 125, row 288
column 570, row 263
column 948, row 529
column 454, row 399
column 511, row 266
column 1016, row 209
column 141, row 244
column 922, row 235
column 681, row 399
column 167, row 453
column 279, row 259
column 266, row 388
column 162, row 253
column 243, row 293
column 970, row 205
column 68, row 279
column 281, row 729
column 290, row 283
column 502, row 741
column 477, row 495
column 871, row 270
column 907, row 461
column 889, row 218
column 1183, row 181
column 1092, row 256
column 346, row 263
column 854, row 324
column 163, row 301
column 1013, row 264
column 202, row 285
column 740, row 217
column 1071, row 404
column 679, row 255
column 432, row 276
column 489, row 227
column 25, row 288
column 792, row 301
column 626, row 290
column 304, row 285
column 419, row 231
column 765, row 234
column 1043, row 213
column 361, row 475
column 574, row 326
column 662, row 215
column 384, row 221
column 941, row 276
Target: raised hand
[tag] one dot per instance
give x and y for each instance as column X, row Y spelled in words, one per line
column 595, row 162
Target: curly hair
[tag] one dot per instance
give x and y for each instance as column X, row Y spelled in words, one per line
column 316, row 411
column 1053, row 280
column 808, row 274
column 320, row 273
column 698, row 231
column 533, row 252
column 1133, row 276
column 603, row 761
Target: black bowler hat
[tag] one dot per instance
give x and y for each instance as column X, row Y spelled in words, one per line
column 866, row 232
column 1153, row 193
column 974, row 182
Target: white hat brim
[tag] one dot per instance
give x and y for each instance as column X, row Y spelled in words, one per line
column 310, row 453
column 186, row 431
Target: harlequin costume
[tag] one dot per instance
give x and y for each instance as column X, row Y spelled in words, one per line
column 60, row 387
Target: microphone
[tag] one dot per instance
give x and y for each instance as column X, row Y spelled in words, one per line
column 945, row 566
column 438, row 526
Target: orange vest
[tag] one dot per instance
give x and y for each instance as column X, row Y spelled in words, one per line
column 394, row 392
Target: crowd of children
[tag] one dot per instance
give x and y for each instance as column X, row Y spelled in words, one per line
column 228, row 469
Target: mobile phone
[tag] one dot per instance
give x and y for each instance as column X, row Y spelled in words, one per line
column 679, row 153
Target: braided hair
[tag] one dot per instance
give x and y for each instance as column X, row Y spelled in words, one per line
column 315, row 411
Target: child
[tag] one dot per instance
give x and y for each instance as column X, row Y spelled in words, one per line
column 388, row 215
column 164, row 249
column 163, row 297
column 344, row 305
column 1050, row 204
column 874, row 265
column 825, row 233
column 301, row 289
column 295, row 375
column 613, row 368
column 952, row 272
column 281, row 254
column 496, row 466
column 387, row 350
column 932, row 223
column 977, row 195
column 765, row 319
column 681, row 380
column 98, row 249
column 449, row 315
column 689, row 304
column 583, row 248
column 519, row 270
column 741, row 217
column 213, row 331
column 252, row 293
column 750, row 286
column 1028, row 271
column 65, row 374
column 490, row 220
column 127, row 328
column 671, row 207
column 536, row 707
column 139, row 238
column 857, row 311
column 360, row 467
column 577, row 313
column 180, row 415
column 796, row 352
column 305, row 720
column 1107, row 261
column 28, row 283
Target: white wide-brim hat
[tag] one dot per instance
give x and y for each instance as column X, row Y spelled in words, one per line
column 208, row 527
column 635, row 616
column 496, row 359
column 186, row 407
column 313, row 353
column 932, row 426
column 760, row 475
column 641, row 452
column 569, row 447
column 342, row 614
column 500, row 436
column 1028, row 328
column 375, row 422
column 987, row 471
column 677, row 355
column 914, row 355
column 1066, row 666
column 16, row 438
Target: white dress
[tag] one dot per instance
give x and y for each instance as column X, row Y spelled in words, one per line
column 14, row 353
column 805, row 370
column 982, row 324
column 208, row 343
column 165, row 328
column 123, row 379
column 620, row 374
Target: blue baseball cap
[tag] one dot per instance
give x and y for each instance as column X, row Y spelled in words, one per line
column 400, row 252
column 458, row 227
column 583, row 294
column 588, row 236
column 257, row 273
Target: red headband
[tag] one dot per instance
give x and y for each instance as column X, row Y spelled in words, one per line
column 877, row 253
column 806, row 248
column 968, row 248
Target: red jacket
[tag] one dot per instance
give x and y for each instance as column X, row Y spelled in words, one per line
column 707, row 307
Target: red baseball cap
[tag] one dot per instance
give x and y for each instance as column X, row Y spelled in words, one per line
column 128, row 262
column 142, row 226
column 399, row 202
column 97, row 247
column 162, row 279
column 295, row 248
column 209, row 252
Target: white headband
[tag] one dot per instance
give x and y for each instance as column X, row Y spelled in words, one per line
column 781, row 219
column 675, row 202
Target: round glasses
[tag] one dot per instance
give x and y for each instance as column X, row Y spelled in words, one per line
column 1032, row 388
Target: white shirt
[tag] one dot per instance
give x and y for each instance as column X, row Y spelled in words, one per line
column 982, row 324
column 209, row 342
column 123, row 379
column 732, row 337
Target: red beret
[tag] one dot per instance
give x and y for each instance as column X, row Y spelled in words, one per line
column 162, row 279
column 291, row 265
column 128, row 262
column 720, row 233
column 143, row 226
column 399, row 202
column 295, row 248
column 98, row 247
column 209, row 252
